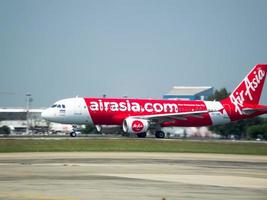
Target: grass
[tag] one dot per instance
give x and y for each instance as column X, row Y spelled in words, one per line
column 131, row 145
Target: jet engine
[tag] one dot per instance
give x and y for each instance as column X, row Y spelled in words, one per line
column 133, row 125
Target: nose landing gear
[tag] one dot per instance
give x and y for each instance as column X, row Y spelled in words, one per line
column 75, row 131
column 73, row 134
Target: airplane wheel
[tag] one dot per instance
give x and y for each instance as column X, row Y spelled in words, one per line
column 141, row 135
column 73, row 134
column 160, row 134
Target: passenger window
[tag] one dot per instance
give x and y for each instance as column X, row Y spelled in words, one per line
column 63, row 106
column 58, row 106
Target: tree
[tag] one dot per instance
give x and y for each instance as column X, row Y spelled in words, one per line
column 5, row 130
column 219, row 95
column 88, row 129
column 257, row 131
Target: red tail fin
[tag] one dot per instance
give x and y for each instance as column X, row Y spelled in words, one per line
column 249, row 90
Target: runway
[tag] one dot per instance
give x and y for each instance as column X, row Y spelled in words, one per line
column 117, row 176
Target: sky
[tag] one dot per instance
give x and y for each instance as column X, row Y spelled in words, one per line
column 56, row 49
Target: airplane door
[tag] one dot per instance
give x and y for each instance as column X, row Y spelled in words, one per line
column 81, row 112
column 217, row 113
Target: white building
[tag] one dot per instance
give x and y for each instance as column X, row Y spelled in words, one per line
column 189, row 93
column 18, row 120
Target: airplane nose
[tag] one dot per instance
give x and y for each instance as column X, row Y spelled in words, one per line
column 45, row 114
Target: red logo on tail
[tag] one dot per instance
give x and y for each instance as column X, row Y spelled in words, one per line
column 249, row 91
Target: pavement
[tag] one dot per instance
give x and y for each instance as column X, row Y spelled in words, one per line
column 117, row 176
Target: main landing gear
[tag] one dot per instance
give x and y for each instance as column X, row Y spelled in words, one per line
column 160, row 134
column 141, row 135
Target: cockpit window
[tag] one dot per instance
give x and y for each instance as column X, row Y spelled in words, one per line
column 58, row 106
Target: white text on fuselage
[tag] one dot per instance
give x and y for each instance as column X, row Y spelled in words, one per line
column 130, row 106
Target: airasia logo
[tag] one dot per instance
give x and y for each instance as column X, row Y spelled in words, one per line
column 137, row 126
column 249, row 90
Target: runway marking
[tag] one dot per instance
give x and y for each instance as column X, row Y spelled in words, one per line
column 223, row 181
column 22, row 196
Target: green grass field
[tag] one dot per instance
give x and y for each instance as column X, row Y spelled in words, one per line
column 131, row 145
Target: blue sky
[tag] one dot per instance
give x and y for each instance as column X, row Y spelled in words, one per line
column 139, row 48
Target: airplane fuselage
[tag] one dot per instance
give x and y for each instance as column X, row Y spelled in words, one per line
column 139, row 115
column 112, row 111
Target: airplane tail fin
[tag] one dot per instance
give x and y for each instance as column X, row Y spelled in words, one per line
column 250, row 89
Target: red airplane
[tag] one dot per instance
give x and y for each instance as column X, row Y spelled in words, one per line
column 137, row 116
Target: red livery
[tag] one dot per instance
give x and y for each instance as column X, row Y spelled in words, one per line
column 140, row 115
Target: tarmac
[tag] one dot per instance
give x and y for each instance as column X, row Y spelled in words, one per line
column 131, row 176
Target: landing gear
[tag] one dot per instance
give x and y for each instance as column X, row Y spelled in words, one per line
column 141, row 135
column 73, row 134
column 160, row 134
column 75, row 131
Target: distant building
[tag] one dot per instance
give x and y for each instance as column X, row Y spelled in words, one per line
column 18, row 120
column 19, row 113
column 189, row 93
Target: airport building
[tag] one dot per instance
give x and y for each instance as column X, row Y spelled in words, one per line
column 189, row 93
column 20, row 113
column 22, row 121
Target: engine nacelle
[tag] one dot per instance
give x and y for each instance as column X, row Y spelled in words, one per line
column 132, row 125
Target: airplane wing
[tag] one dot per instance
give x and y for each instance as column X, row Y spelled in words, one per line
column 160, row 118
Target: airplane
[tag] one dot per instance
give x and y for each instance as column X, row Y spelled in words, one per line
column 138, row 116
